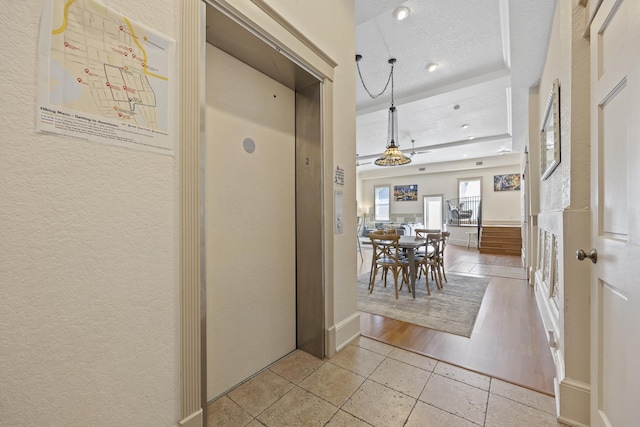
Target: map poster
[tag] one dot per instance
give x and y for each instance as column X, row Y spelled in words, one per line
column 105, row 78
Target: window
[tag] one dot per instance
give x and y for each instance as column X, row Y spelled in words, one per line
column 381, row 202
column 469, row 187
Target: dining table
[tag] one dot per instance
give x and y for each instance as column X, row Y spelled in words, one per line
column 410, row 244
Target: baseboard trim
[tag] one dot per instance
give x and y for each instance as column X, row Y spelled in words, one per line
column 347, row 331
column 458, row 242
column 574, row 402
column 194, row 420
column 571, row 423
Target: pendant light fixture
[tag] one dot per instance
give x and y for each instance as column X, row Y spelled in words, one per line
column 392, row 155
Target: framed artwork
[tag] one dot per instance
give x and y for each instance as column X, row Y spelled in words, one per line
column 550, row 133
column 509, row 182
column 405, row 193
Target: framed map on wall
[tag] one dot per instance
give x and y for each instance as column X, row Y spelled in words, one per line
column 405, row 193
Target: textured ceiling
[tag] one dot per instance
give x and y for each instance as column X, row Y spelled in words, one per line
column 490, row 53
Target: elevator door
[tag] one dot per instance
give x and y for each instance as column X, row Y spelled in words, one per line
column 250, row 221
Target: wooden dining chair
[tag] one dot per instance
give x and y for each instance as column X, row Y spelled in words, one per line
column 387, row 257
column 359, row 224
column 443, row 244
column 429, row 264
column 421, row 233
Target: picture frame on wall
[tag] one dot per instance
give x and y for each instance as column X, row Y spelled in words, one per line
column 405, row 193
column 550, row 133
column 508, row 182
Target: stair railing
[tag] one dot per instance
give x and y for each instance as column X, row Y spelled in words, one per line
column 463, row 211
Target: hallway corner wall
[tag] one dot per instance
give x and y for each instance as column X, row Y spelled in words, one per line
column 89, row 303
column 564, row 215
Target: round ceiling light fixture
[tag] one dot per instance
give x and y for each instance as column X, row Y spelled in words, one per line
column 401, row 13
column 432, row 67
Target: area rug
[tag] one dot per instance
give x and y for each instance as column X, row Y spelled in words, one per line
column 452, row 309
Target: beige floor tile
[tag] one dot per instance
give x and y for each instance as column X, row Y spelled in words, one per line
column 296, row 366
column 255, row 423
column 463, row 375
column 358, row 360
column 424, row 415
column 225, row 412
column 343, row 419
column 523, row 395
column 332, row 383
column 260, row 392
column 414, row 359
column 373, row 345
column 502, row 412
column 298, row 408
column 379, row 405
column 401, row 377
column 458, row 398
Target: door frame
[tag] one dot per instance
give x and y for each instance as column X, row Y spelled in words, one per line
column 306, row 56
column 442, row 212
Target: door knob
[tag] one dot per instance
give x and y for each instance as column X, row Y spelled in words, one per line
column 592, row 255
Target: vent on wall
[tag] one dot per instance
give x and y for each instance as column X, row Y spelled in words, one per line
column 421, row 169
column 478, row 163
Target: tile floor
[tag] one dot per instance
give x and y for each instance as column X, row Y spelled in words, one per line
column 374, row 384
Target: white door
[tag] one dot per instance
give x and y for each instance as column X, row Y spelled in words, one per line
column 615, row 197
column 432, row 208
column 250, row 221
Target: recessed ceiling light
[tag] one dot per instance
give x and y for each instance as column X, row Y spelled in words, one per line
column 401, row 13
column 464, row 155
column 465, row 126
column 432, row 67
column 471, row 137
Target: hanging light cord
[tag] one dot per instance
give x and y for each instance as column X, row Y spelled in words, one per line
column 392, row 62
column 389, row 79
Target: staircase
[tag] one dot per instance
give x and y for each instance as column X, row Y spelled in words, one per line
column 502, row 240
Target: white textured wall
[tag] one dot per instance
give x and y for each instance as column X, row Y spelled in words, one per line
column 568, row 61
column 88, row 258
column 496, row 206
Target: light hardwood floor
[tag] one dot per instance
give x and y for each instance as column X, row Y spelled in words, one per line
column 508, row 340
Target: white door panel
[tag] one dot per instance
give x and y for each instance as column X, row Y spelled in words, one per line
column 250, row 221
column 615, row 179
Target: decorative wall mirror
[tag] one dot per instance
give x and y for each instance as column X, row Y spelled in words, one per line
column 550, row 133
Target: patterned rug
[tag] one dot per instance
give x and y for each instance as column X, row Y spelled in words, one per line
column 452, row 309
